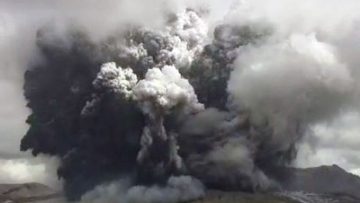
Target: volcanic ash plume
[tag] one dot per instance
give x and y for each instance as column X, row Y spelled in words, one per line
column 177, row 109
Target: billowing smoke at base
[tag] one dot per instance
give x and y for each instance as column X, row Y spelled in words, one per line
column 177, row 189
column 179, row 109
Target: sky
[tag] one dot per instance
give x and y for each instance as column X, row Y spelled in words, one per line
column 336, row 23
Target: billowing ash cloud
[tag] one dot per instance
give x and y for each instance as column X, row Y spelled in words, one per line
column 289, row 85
column 180, row 188
column 168, row 109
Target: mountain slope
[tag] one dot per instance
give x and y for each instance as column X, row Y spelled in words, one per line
column 320, row 180
column 28, row 192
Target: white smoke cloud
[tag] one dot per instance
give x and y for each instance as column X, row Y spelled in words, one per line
column 116, row 79
column 307, row 71
column 296, row 81
column 28, row 169
column 114, row 192
column 177, row 189
column 167, row 88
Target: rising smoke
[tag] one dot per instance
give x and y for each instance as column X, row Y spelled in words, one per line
column 184, row 103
